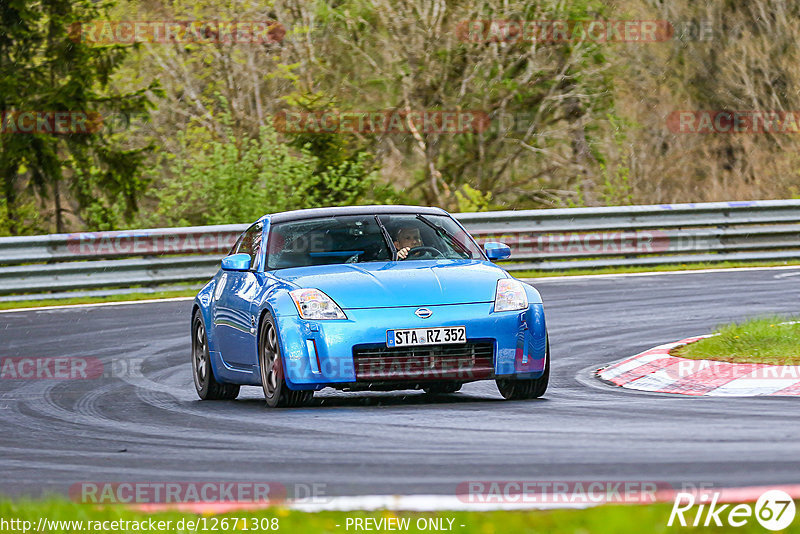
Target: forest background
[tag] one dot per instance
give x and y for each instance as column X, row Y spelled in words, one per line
column 191, row 133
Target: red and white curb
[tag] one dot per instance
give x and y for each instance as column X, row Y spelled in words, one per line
column 657, row 371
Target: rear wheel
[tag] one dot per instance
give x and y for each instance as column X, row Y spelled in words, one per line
column 204, row 382
column 520, row 388
column 442, row 388
column 276, row 391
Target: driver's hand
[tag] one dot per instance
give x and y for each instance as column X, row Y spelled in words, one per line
column 403, row 253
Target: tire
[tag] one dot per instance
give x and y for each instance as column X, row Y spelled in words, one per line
column 520, row 388
column 276, row 391
column 204, row 382
column 442, row 388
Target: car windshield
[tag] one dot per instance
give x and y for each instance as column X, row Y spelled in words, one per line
column 324, row 241
column 361, row 238
column 430, row 237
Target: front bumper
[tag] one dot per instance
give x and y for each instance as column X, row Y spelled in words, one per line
column 320, row 353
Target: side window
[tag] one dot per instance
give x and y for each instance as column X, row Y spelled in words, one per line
column 236, row 245
column 251, row 244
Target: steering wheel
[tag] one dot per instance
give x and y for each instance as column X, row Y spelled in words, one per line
column 417, row 252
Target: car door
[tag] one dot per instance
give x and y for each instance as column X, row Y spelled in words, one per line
column 234, row 323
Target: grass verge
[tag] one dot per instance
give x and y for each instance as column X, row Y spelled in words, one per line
column 651, row 269
column 612, row 519
column 95, row 300
column 767, row 340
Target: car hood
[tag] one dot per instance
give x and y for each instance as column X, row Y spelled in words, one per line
column 391, row 284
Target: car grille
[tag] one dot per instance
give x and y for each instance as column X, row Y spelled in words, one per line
column 468, row 361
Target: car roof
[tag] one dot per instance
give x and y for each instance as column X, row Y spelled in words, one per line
column 314, row 213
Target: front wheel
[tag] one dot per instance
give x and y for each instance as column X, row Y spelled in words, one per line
column 276, row 391
column 204, row 382
column 520, row 388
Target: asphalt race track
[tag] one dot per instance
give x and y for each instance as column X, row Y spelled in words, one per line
column 56, row 433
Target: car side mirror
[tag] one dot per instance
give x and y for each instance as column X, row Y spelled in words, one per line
column 496, row 251
column 236, row 262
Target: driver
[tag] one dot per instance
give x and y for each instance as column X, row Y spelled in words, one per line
column 406, row 238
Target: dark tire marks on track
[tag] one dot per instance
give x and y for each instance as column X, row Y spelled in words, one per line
column 57, row 433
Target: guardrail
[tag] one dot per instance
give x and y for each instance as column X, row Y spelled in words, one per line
column 547, row 240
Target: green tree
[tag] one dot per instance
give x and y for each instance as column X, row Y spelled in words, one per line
column 237, row 181
column 45, row 67
column 543, row 99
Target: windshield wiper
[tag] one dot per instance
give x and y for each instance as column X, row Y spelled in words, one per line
column 444, row 233
column 388, row 238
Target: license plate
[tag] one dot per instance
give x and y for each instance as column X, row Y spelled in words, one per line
column 426, row 336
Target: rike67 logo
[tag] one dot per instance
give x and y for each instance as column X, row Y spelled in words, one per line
column 774, row 510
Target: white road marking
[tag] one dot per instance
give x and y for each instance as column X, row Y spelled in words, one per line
column 97, row 304
column 425, row 503
column 440, row 503
column 660, row 273
column 786, row 275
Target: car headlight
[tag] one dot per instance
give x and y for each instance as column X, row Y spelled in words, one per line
column 314, row 304
column 510, row 295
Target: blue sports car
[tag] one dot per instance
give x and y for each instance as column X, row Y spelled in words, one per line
column 368, row 297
